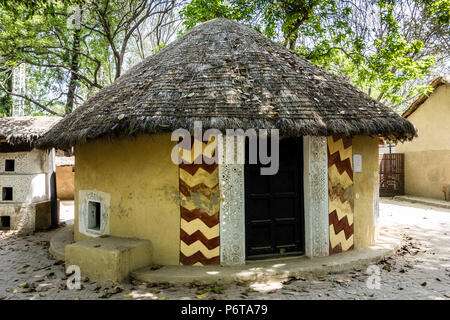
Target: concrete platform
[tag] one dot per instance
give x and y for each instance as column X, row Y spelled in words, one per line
column 109, row 259
column 59, row 241
column 275, row 269
column 423, row 200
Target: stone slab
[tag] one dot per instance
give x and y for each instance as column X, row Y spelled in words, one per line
column 109, row 259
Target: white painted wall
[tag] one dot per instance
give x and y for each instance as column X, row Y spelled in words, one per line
column 26, row 187
column 33, row 162
column 30, row 178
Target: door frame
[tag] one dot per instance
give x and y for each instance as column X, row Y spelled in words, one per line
column 232, row 207
column 300, row 214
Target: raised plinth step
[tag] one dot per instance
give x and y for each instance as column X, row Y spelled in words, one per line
column 426, row 201
column 62, row 238
column 109, row 259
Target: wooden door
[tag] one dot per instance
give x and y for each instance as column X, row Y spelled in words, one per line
column 274, row 210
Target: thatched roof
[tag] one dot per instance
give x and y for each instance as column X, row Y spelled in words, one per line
column 435, row 84
column 25, row 130
column 228, row 76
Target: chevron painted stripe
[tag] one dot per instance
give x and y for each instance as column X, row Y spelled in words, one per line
column 192, row 168
column 198, row 246
column 342, row 165
column 338, row 145
column 340, row 177
column 339, row 243
column 199, row 208
column 209, row 220
column 199, row 149
column 342, row 224
column 201, row 176
column 345, row 177
column 189, row 239
column 198, row 259
column 198, row 225
column 341, row 209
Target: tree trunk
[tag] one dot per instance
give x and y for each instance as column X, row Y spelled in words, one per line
column 293, row 42
column 6, row 100
column 118, row 67
column 74, row 68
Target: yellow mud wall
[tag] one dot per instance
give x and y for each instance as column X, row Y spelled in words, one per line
column 427, row 157
column 365, row 185
column 143, row 184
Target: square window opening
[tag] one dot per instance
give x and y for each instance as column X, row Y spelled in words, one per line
column 9, row 165
column 5, row 223
column 94, row 215
column 7, row 194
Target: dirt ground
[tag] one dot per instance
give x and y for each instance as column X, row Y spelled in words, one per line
column 420, row 269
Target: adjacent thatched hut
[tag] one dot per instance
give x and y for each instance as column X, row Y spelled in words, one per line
column 24, row 131
column 228, row 76
column 25, row 174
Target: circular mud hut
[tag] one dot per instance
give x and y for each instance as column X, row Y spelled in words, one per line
column 322, row 199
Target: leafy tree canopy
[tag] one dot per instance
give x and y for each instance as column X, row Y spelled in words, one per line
column 388, row 48
column 72, row 48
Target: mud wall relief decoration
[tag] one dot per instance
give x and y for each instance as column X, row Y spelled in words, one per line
column 199, row 206
column 317, row 239
column 232, row 204
column 340, row 191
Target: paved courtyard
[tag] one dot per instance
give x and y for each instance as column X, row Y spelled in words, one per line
column 420, row 269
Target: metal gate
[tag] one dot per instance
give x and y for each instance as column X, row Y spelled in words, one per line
column 392, row 174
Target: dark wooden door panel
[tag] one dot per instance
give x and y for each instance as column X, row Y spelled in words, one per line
column 274, row 205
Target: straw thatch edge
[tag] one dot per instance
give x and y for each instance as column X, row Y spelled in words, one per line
column 133, row 126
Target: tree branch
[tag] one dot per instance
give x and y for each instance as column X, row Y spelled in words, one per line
column 40, row 105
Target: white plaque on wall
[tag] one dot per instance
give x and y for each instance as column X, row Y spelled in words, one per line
column 357, row 163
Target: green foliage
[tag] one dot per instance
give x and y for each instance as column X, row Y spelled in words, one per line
column 159, row 47
column 5, row 104
column 382, row 65
column 203, row 10
column 61, row 59
column 438, row 10
column 38, row 37
column 361, row 40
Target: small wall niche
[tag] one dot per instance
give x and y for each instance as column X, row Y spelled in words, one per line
column 10, row 165
column 5, row 223
column 7, row 194
column 94, row 215
column 93, row 212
